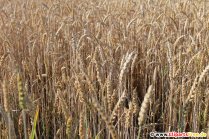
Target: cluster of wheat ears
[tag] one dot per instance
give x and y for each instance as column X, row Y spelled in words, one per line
column 103, row 69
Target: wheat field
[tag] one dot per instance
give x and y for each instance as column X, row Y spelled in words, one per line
column 103, row 69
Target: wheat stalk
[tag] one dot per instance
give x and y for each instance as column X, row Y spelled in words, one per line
column 105, row 118
column 7, row 108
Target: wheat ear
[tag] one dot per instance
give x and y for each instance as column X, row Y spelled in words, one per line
column 81, row 126
column 144, row 107
column 191, row 95
column 129, row 115
column 135, row 102
column 22, row 101
column 2, row 59
column 118, row 106
column 68, row 127
column 202, row 75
